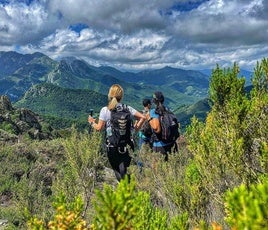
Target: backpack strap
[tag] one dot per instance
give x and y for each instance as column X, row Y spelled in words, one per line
column 131, row 142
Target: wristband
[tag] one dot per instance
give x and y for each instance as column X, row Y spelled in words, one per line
column 150, row 119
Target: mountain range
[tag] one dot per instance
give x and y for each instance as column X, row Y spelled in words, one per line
column 19, row 72
column 72, row 86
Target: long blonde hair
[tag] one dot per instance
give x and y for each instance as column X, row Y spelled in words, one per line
column 115, row 95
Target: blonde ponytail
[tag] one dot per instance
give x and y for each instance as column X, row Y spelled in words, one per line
column 112, row 103
column 115, row 95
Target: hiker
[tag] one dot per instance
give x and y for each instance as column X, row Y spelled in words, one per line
column 118, row 154
column 145, row 132
column 153, row 117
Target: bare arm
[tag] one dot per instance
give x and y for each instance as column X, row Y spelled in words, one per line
column 140, row 120
column 97, row 126
column 154, row 123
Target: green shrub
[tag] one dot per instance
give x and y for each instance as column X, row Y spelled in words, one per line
column 127, row 208
column 66, row 216
column 82, row 167
column 247, row 208
column 25, row 168
column 230, row 148
column 8, row 127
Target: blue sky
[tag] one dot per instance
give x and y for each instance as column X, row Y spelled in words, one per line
column 136, row 35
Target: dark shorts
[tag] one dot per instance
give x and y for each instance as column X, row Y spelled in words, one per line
column 165, row 150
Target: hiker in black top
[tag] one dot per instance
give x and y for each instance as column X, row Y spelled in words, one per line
column 159, row 145
column 118, row 156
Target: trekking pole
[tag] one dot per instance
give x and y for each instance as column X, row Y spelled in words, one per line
column 90, row 127
column 91, row 112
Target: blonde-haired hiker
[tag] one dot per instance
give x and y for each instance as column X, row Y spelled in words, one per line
column 116, row 118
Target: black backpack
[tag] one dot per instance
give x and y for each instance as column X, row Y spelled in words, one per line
column 169, row 127
column 146, row 129
column 121, row 125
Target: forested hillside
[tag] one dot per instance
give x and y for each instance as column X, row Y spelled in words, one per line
column 62, row 107
column 67, row 80
column 18, row 73
column 218, row 180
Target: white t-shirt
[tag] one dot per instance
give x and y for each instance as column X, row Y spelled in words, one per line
column 105, row 114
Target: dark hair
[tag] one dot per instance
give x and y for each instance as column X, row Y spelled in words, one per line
column 158, row 97
column 146, row 102
column 160, row 109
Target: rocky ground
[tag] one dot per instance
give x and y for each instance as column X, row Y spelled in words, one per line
column 17, row 122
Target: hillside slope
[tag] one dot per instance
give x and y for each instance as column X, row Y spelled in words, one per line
column 198, row 109
column 49, row 99
column 20, row 72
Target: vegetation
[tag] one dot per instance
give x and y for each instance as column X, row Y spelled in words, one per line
column 218, row 180
column 61, row 106
column 199, row 110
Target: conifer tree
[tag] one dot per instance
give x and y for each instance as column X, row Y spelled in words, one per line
column 230, row 148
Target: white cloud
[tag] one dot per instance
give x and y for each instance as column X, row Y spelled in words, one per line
column 222, row 23
column 117, row 15
column 21, row 24
column 139, row 34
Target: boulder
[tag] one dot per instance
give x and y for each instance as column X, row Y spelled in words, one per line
column 5, row 103
column 21, row 121
column 30, row 118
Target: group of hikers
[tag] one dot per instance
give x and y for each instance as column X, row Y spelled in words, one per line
column 117, row 120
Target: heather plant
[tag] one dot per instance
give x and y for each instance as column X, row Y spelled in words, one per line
column 126, row 207
column 165, row 182
column 68, row 215
column 35, row 172
column 123, row 207
column 13, row 168
column 246, row 208
column 25, row 173
column 258, row 120
column 82, row 168
column 115, row 210
column 230, row 148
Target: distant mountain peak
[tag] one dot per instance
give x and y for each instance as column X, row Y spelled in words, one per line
column 69, row 59
column 169, row 68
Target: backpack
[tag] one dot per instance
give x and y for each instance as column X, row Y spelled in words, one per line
column 169, row 127
column 121, row 124
column 146, row 129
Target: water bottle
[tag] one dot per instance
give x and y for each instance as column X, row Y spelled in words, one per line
column 109, row 131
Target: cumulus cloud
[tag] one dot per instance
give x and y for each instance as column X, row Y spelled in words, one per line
column 223, row 23
column 139, row 34
column 122, row 16
column 21, row 24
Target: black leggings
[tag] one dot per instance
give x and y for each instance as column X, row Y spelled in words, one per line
column 119, row 161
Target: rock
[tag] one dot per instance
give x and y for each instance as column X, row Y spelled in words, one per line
column 22, row 126
column 29, row 117
column 22, row 121
column 5, row 104
column 3, row 223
